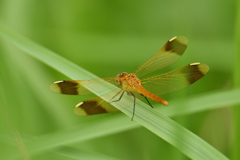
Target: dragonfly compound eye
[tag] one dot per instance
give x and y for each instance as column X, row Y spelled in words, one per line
column 119, row 78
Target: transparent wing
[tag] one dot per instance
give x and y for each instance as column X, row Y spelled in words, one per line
column 76, row 87
column 175, row 79
column 168, row 54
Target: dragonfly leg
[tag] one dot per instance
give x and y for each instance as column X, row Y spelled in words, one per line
column 119, row 97
column 147, row 100
column 116, row 95
column 133, row 104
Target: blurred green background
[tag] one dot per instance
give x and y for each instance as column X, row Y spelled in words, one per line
column 106, row 38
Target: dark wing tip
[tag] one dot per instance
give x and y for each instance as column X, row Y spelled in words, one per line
column 181, row 39
column 199, row 70
column 203, row 68
column 177, row 45
column 65, row 87
column 78, row 110
column 89, row 107
column 55, row 87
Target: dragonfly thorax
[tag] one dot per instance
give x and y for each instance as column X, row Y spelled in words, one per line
column 127, row 81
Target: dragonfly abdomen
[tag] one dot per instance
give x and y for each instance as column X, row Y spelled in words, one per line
column 152, row 96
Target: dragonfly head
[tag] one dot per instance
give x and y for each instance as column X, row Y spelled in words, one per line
column 119, row 78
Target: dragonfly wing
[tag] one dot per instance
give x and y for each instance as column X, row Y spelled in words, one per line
column 93, row 106
column 98, row 106
column 175, row 79
column 168, row 54
column 76, row 87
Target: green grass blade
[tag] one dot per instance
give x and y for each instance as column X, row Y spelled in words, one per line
column 71, row 153
column 164, row 127
column 119, row 122
column 46, row 56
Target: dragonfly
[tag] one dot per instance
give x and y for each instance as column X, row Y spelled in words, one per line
column 137, row 84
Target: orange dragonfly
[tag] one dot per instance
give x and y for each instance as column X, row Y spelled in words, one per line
column 148, row 87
